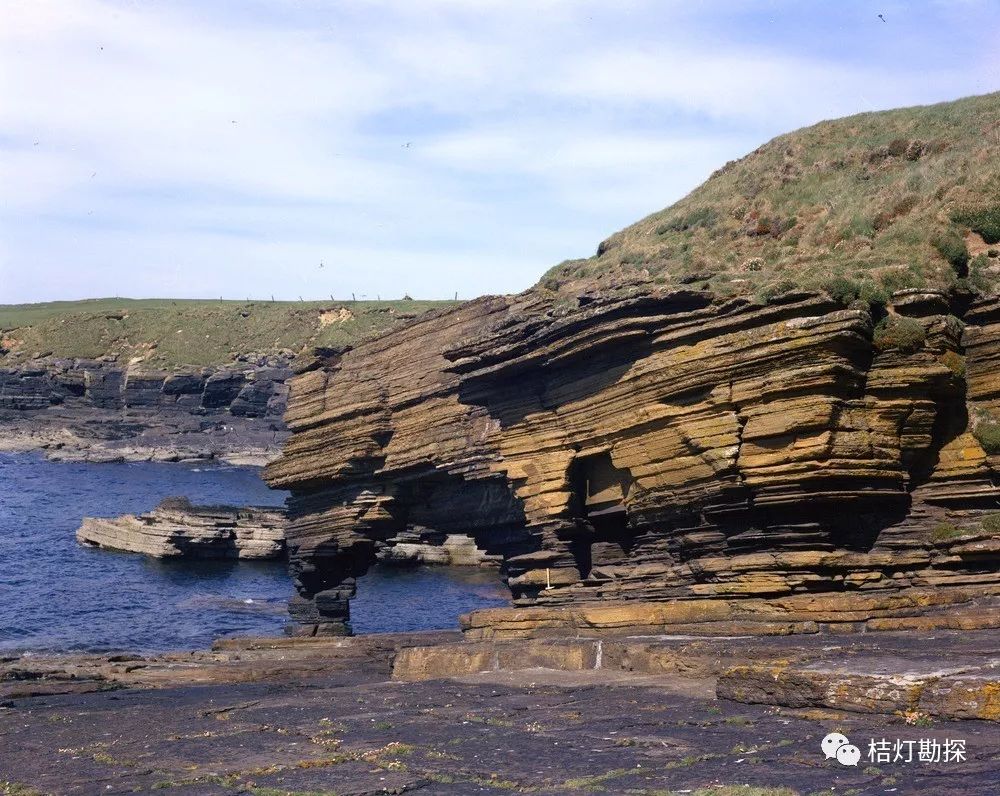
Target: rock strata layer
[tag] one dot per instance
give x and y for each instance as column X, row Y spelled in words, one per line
column 176, row 528
column 100, row 411
column 798, row 462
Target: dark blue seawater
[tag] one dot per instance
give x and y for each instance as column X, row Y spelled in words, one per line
column 57, row 595
column 393, row 599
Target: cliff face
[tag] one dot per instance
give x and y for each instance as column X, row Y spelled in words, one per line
column 99, row 410
column 166, row 379
column 776, row 466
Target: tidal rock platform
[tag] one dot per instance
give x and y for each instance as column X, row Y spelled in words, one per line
column 645, row 716
column 176, row 528
column 432, row 548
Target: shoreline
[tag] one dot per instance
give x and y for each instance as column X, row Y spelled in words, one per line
column 56, row 448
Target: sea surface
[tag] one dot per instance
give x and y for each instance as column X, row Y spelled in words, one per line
column 57, row 595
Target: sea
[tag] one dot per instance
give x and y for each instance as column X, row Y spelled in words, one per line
column 59, row 596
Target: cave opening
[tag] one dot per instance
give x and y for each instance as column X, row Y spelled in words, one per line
column 440, row 555
column 599, row 491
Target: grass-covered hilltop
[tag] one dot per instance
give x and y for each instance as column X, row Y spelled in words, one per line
column 167, row 333
column 860, row 206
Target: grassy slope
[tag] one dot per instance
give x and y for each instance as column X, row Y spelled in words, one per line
column 864, row 198
column 172, row 333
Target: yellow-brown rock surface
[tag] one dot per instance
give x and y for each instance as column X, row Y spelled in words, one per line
column 731, row 461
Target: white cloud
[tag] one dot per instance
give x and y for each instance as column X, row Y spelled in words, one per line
column 474, row 142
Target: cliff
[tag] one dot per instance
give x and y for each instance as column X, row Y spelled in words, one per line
column 101, row 411
column 114, row 379
column 667, row 457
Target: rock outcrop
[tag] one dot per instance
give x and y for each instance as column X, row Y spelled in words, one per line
column 797, row 461
column 176, row 528
column 429, row 547
column 100, row 411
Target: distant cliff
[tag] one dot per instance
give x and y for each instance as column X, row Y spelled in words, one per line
column 100, row 411
column 167, row 380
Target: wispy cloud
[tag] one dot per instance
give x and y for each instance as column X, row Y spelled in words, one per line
column 227, row 149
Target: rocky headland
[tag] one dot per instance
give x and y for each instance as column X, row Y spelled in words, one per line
column 711, row 461
column 178, row 529
column 781, row 465
column 663, row 454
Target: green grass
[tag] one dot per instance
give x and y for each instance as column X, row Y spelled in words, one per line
column 884, row 200
column 8, row 788
column 945, row 531
column 902, row 334
column 991, row 523
column 170, row 333
column 986, row 430
column 736, row 790
column 594, row 781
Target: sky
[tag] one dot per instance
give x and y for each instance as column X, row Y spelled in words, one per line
column 310, row 148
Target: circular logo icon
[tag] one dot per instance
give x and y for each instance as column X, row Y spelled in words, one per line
column 832, row 742
column 848, row 755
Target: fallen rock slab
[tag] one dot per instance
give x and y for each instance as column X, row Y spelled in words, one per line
column 176, row 528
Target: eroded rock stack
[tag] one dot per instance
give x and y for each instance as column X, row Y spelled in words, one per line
column 176, row 528
column 782, row 467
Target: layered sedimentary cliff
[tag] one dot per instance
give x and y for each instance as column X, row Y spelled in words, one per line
column 176, row 528
column 772, row 406
column 779, row 467
column 99, row 410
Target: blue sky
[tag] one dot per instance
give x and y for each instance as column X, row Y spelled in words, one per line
column 203, row 149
